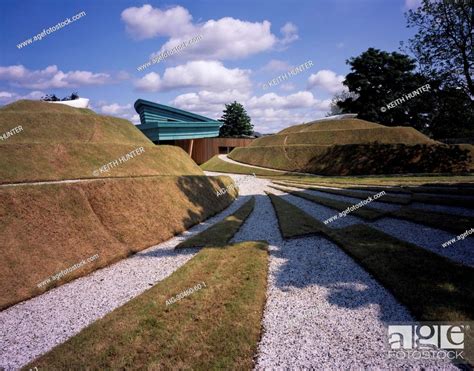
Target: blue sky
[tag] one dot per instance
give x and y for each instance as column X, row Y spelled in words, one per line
column 243, row 45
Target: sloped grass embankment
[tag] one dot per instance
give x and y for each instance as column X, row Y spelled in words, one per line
column 45, row 229
column 360, row 159
column 79, row 161
column 354, row 147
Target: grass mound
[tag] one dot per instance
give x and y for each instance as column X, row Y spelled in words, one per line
column 136, row 203
column 221, row 233
column 360, row 159
column 46, row 229
column 60, row 142
column 321, row 125
column 49, row 162
column 355, row 147
column 386, row 135
column 216, row 327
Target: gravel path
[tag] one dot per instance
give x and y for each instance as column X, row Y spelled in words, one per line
column 323, row 310
column 387, row 206
column 429, row 238
column 33, row 327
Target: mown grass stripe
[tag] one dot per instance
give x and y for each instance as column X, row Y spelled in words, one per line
column 364, row 212
column 432, row 287
column 393, row 199
column 415, row 196
column 216, row 327
column 448, row 222
column 293, row 221
column 220, row 233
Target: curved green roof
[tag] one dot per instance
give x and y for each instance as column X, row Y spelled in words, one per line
column 161, row 122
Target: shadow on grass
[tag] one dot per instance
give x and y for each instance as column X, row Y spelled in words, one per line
column 358, row 159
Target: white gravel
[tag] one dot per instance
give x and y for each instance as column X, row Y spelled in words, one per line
column 33, row 327
column 429, row 238
column 455, row 210
column 323, row 310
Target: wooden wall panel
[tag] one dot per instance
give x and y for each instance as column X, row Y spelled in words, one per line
column 205, row 148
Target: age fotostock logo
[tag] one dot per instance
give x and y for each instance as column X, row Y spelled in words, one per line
column 423, row 341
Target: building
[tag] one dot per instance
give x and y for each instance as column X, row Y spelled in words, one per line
column 196, row 134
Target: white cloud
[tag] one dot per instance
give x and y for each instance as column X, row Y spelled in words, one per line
column 269, row 113
column 340, row 45
column 288, row 86
column 301, row 99
column 272, row 100
column 326, row 80
column 270, row 120
column 147, row 22
column 7, row 97
column 212, row 75
column 115, row 108
column 50, row 77
column 290, row 33
column 135, row 119
column 125, row 111
column 224, row 38
column 209, row 103
column 276, row 65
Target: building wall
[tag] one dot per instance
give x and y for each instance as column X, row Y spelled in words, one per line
column 205, row 148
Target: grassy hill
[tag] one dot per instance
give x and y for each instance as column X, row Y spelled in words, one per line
column 70, row 143
column 48, row 228
column 355, row 147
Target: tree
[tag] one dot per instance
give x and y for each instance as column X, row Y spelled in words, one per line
column 443, row 44
column 236, row 121
column 378, row 78
column 339, row 97
column 453, row 114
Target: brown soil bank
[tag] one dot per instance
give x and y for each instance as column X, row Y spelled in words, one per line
column 45, row 229
column 355, row 147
